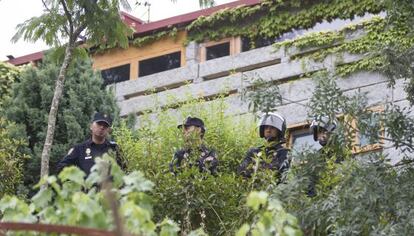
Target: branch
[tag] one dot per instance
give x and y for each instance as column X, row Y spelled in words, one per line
column 46, row 7
column 77, row 32
column 403, row 162
column 68, row 15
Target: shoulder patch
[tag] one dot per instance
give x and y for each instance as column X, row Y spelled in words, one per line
column 113, row 142
column 70, row 151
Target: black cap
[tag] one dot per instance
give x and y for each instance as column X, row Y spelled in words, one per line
column 102, row 117
column 189, row 121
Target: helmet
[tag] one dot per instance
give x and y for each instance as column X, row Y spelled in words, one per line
column 274, row 120
column 322, row 122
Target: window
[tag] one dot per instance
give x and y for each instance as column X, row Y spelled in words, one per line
column 218, row 50
column 115, row 74
column 301, row 138
column 371, row 139
column 159, row 64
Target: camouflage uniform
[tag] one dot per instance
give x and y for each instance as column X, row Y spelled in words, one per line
column 273, row 158
column 207, row 160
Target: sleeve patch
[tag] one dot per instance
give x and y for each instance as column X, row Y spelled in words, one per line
column 70, row 151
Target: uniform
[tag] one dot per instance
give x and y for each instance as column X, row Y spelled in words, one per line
column 83, row 155
column 207, row 160
column 273, row 158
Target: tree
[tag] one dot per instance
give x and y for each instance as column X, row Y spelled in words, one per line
column 12, row 156
column 8, row 75
column 31, row 98
column 87, row 22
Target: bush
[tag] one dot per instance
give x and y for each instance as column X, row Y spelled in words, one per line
column 30, row 104
column 194, row 199
column 12, row 149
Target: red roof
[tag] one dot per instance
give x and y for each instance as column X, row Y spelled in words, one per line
column 131, row 20
column 187, row 18
column 26, row 59
column 142, row 27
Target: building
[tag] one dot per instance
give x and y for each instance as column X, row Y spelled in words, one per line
column 196, row 54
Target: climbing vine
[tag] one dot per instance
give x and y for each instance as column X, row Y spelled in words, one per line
column 368, row 37
column 141, row 41
column 271, row 19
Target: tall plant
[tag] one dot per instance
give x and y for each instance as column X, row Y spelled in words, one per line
column 67, row 24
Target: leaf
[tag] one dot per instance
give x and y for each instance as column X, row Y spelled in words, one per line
column 243, row 230
column 74, row 174
column 42, row 198
column 257, row 199
column 135, row 181
column 168, row 228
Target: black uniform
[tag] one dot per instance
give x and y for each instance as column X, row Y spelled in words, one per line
column 273, row 157
column 206, row 161
column 83, row 155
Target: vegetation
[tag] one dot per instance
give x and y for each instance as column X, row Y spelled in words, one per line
column 8, row 75
column 62, row 25
column 355, row 193
column 30, row 101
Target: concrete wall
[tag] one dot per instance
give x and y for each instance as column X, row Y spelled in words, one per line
column 232, row 73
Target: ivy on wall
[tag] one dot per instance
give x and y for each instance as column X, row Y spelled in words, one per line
column 271, row 19
column 145, row 40
column 373, row 34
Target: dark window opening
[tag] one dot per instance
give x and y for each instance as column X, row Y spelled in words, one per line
column 216, row 51
column 302, row 139
column 115, row 74
column 247, row 43
column 159, row 64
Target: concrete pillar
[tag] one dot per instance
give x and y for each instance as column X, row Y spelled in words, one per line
column 191, row 53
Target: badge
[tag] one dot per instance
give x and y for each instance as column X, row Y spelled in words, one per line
column 88, row 154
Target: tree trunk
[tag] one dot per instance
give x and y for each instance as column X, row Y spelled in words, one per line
column 51, row 122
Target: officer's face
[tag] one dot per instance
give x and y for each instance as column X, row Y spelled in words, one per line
column 270, row 132
column 191, row 132
column 100, row 129
column 323, row 136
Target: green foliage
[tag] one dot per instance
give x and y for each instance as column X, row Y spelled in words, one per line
column 30, row 104
column 69, row 199
column 12, row 155
column 98, row 21
column 8, row 75
column 271, row 19
column 260, row 96
column 398, row 55
column 191, row 198
column 141, row 41
column 270, row 219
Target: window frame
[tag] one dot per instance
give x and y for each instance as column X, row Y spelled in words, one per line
column 234, row 47
column 356, row 147
column 160, row 55
column 115, row 66
column 298, row 128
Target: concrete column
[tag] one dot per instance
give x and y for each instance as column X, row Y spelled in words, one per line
column 191, row 53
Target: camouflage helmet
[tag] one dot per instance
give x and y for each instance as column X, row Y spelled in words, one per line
column 274, row 120
column 323, row 122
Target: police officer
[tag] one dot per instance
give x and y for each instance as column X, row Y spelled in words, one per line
column 272, row 155
column 195, row 153
column 322, row 128
column 83, row 155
